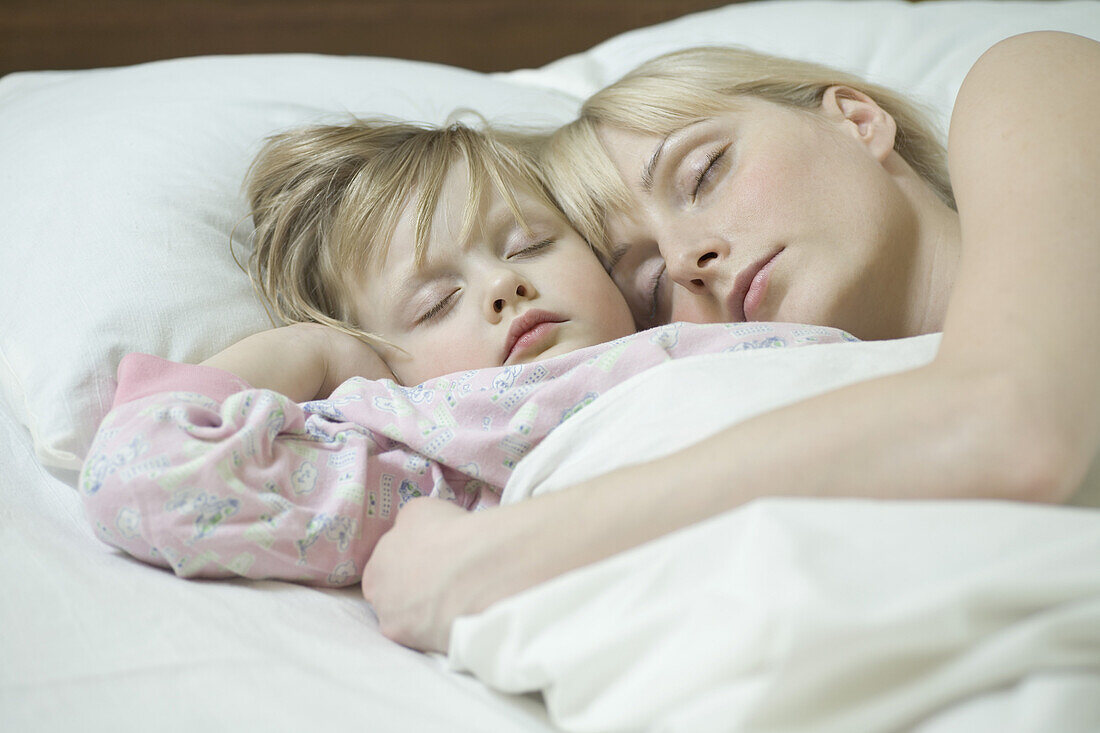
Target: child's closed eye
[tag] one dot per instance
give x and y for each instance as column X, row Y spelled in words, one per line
column 532, row 249
column 441, row 308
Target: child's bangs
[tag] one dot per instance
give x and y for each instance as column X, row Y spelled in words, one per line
column 490, row 166
column 386, row 184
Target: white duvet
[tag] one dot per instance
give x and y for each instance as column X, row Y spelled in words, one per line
column 795, row 614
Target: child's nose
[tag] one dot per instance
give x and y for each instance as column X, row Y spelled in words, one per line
column 521, row 292
column 507, row 288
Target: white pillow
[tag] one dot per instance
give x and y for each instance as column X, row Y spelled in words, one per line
column 924, row 48
column 119, row 191
column 120, row 187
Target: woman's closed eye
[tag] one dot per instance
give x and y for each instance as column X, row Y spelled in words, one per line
column 708, row 171
column 645, row 286
column 655, row 289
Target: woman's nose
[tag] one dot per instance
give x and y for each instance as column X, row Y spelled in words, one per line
column 696, row 264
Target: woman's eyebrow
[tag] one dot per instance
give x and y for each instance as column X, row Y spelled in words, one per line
column 616, row 255
column 651, row 165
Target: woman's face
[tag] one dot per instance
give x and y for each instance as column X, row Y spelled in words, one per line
column 766, row 213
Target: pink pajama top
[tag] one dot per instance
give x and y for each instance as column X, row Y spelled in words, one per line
column 196, row 471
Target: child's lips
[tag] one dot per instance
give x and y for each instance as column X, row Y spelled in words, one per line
column 527, row 331
column 531, row 339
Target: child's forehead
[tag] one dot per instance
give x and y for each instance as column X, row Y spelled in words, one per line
column 494, row 180
column 464, row 214
column 482, row 203
column 492, row 222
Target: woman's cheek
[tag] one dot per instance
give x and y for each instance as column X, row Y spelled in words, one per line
column 686, row 306
column 749, row 196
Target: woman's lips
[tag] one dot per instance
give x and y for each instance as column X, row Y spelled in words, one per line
column 749, row 288
column 758, row 289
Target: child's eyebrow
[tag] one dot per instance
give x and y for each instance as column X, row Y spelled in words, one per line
column 409, row 285
column 497, row 223
column 403, row 284
column 493, row 228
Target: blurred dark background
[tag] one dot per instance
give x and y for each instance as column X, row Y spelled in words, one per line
column 486, row 35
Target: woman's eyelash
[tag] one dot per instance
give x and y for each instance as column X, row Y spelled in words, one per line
column 712, row 158
column 655, row 295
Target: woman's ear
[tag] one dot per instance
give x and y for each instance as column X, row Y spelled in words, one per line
column 861, row 117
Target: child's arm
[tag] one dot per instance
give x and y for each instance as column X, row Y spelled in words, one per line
column 195, row 470
column 304, row 361
column 215, row 481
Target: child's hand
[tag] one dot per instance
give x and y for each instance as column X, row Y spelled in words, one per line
column 304, row 361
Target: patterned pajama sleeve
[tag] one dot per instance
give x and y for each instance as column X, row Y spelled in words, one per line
column 215, row 479
column 196, row 471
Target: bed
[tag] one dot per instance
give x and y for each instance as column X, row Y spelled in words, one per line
column 121, row 199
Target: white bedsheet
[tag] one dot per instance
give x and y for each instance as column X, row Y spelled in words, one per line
column 797, row 614
column 91, row 641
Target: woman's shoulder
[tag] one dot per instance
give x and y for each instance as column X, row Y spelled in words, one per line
column 1033, row 41
column 1029, row 103
column 1037, row 62
column 1068, row 55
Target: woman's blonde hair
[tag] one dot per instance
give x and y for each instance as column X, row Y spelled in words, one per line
column 671, row 91
column 326, row 199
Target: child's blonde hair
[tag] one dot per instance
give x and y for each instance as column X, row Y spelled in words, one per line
column 326, row 199
column 671, row 91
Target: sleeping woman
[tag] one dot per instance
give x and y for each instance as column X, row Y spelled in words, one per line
column 728, row 186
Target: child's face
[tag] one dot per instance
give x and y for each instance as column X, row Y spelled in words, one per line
column 501, row 297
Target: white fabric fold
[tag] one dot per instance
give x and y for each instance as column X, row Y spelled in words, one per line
column 801, row 614
column 788, row 614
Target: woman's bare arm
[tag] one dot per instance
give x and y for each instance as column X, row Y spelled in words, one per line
column 1009, row 409
column 1025, row 165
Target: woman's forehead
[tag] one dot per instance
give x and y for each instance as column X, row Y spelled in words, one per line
column 624, row 227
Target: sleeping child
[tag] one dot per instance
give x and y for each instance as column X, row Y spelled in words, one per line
column 444, row 318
